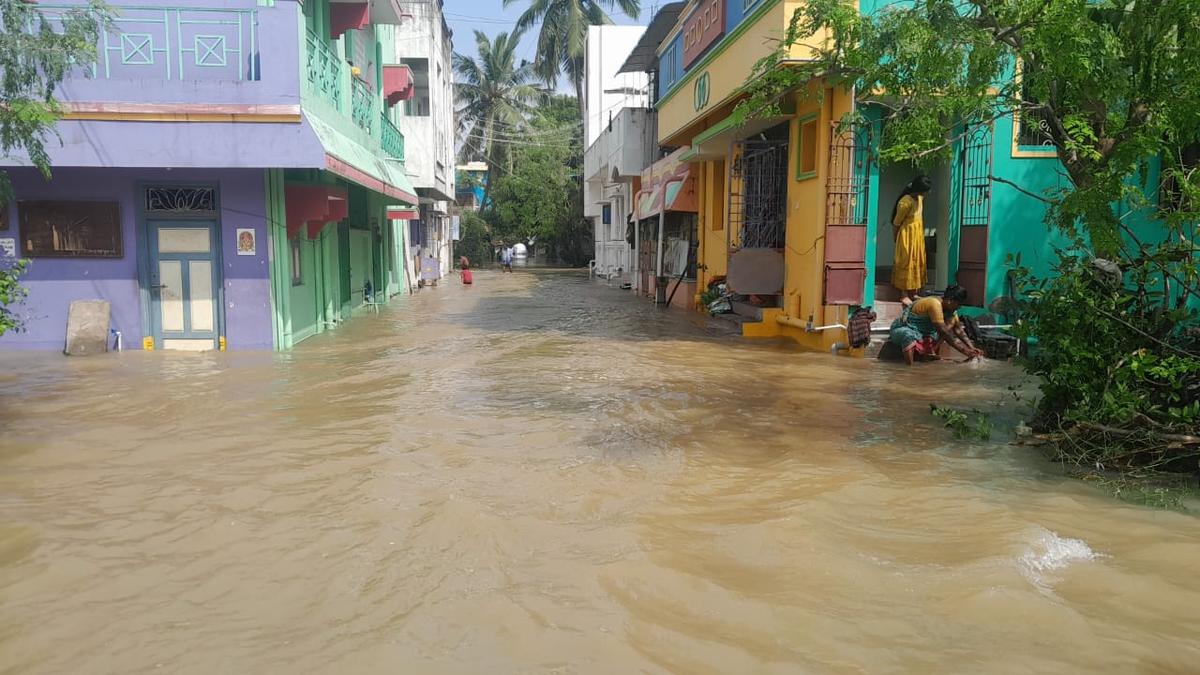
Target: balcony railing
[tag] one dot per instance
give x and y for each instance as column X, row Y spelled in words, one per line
column 174, row 43
column 362, row 100
column 325, row 71
column 391, row 139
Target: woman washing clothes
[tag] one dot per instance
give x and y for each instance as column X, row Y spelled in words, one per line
column 909, row 265
column 923, row 327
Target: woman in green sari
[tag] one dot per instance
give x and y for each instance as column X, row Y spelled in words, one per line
column 923, row 327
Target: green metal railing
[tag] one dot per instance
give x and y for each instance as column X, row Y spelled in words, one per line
column 325, row 70
column 330, row 78
column 391, row 138
column 362, row 100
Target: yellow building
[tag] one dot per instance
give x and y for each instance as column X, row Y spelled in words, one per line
column 782, row 200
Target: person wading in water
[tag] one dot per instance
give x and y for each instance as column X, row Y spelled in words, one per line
column 923, row 327
column 909, row 266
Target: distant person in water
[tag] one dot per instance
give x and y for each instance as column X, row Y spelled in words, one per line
column 465, row 271
column 909, row 264
column 927, row 323
column 506, row 258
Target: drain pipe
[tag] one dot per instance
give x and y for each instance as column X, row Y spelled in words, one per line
column 637, row 254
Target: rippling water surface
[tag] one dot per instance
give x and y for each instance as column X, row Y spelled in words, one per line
column 540, row 475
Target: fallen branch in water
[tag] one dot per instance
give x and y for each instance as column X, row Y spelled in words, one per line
column 1184, row 439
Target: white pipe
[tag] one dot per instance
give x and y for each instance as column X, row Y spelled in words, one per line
column 819, row 329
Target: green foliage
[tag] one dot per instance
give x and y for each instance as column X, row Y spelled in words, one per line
column 35, row 56
column 494, row 93
column 1156, row 490
column 540, row 199
column 1117, row 82
column 563, row 35
column 11, row 293
column 475, row 241
column 1117, row 354
column 966, row 424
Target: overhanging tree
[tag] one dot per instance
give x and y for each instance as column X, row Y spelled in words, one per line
column 1115, row 85
column 36, row 53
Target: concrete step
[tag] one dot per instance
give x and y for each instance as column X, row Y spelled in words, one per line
column 748, row 311
column 742, row 306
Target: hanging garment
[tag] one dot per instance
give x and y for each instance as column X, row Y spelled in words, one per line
column 860, row 327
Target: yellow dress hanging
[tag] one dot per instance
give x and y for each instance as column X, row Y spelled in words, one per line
column 909, row 269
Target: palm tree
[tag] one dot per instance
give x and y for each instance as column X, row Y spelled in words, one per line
column 494, row 94
column 563, row 35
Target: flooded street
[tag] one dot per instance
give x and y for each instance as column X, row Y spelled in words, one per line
column 540, row 475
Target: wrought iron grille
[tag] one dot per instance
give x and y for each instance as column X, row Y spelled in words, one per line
column 1034, row 129
column 758, row 195
column 975, row 195
column 849, row 174
column 1033, row 124
column 173, row 199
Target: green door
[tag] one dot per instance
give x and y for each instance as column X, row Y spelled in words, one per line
column 184, row 280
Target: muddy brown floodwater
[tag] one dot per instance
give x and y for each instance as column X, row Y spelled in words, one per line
column 541, row 475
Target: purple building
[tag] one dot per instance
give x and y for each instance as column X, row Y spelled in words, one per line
column 228, row 177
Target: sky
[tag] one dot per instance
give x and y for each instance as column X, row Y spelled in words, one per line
column 491, row 17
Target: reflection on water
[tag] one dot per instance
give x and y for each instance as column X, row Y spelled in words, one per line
column 537, row 474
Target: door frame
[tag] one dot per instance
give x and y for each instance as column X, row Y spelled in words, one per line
column 145, row 255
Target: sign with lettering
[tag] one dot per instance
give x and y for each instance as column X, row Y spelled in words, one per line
column 702, row 28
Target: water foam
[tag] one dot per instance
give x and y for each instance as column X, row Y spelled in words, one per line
column 1049, row 553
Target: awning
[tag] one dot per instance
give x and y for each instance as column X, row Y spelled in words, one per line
column 668, row 185
column 397, row 84
column 348, row 15
column 402, row 213
column 380, row 11
column 314, row 206
column 713, row 143
column 350, row 160
column 644, row 57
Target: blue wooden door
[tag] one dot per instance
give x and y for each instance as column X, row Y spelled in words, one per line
column 184, row 278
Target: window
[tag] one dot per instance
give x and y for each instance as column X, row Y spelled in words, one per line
column 297, row 261
column 418, row 105
column 806, row 148
column 606, row 214
column 1031, row 128
column 53, row 229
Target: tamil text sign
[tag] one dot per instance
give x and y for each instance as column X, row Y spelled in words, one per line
column 702, row 28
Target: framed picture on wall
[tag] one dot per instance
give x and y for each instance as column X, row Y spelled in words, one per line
column 245, row 241
column 60, row 229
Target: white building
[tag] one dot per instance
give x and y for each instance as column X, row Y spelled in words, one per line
column 620, row 132
column 423, row 43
